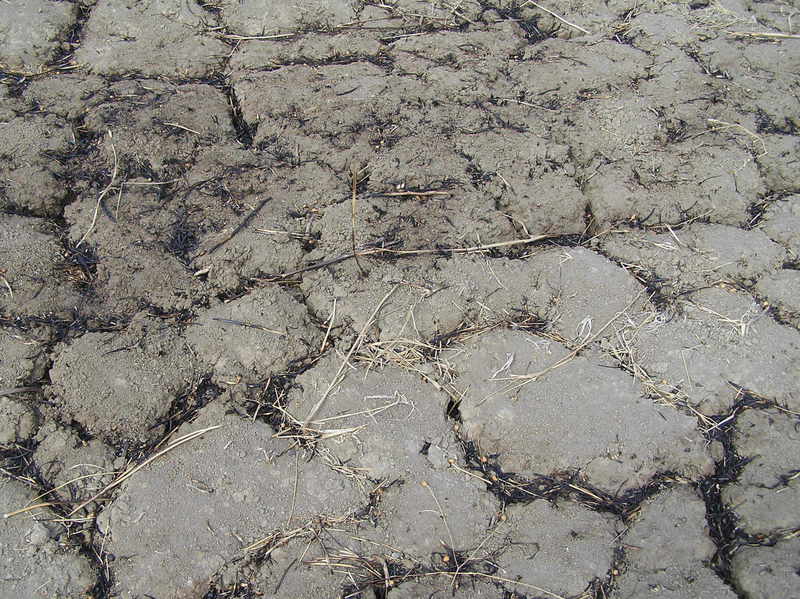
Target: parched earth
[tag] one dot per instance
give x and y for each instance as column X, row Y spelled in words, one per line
column 400, row 298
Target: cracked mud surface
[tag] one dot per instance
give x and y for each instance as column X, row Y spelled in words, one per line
column 412, row 298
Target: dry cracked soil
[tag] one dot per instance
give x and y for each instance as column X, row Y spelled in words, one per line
column 388, row 299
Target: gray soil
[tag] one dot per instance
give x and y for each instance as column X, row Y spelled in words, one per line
column 402, row 298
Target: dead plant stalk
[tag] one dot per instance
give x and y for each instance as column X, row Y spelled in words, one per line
column 131, row 471
column 524, row 379
column 557, row 17
column 356, row 173
column 102, row 193
column 356, row 344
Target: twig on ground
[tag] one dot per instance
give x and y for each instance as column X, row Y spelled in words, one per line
column 474, row 552
column 275, row 540
column 555, row 16
column 661, row 391
column 722, row 125
column 249, row 325
column 29, row 508
column 294, row 488
column 147, row 183
column 425, row 484
column 355, row 346
column 179, row 126
column 765, row 35
column 8, row 286
column 355, row 176
column 131, row 471
column 310, row 267
column 462, row 250
column 524, row 379
column 407, row 354
column 43, row 70
column 277, row 36
column 16, row 390
column 528, row 104
column 368, row 251
column 424, row 194
column 74, row 480
column 328, row 329
column 102, row 193
column 236, row 230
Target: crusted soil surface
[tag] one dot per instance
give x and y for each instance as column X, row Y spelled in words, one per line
column 400, row 299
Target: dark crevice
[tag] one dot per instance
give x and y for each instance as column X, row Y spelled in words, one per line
column 453, row 411
column 180, row 318
column 237, row 590
column 80, row 265
column 64, row 330
column 707, row 68
column 522, row 252
column 263, row 401
column 534, row 31
column 211, row 8
column 382, row 60
column 17, row 464
column 80, row 430
column 15, row 83
column 267, row 400
column 13, row 209
column 244, row 130
column 603, row 589
column 779, row 314
column 765, row 124
column 72, row 39
column 589, row 221
column 186, row 405
column 243, row 287
column 62, row 57
column 183, row 236
column 656, row 287
column 511, row 488
column 246, row 285
column 758, row 210
column 791, row 265
column 105, row 582
column 722, row 522
column 215, row 78
column 15, row 460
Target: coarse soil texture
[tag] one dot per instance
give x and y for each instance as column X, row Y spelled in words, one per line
column 385, row 299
